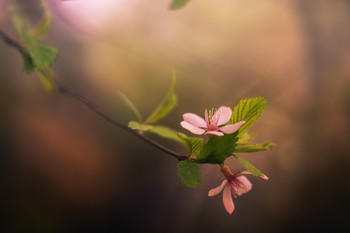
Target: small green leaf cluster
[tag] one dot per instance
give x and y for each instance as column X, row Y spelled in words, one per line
column 36, row 54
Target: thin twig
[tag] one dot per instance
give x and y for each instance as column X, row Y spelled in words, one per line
column 73, row 94
column 93, row 107
column 14, row 43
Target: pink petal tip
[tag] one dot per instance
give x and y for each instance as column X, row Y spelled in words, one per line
column 227, row 200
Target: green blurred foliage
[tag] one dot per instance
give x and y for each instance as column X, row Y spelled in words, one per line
column 178, row 4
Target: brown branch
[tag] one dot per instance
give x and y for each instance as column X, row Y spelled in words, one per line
column 75, row 95
column 93, row 107
column 16, row 44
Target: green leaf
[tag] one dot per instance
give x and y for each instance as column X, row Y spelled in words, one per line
column 166, row 105
column 164, row 132
column 189, row 174
column 248, row 110
column 19, row 26
column 132, row 107
column 159, row 130
column 246, row 138
column 177, row 4
column 250, row 167
column 46, row 79
column 43, row 55
column 28, row 63
column 137, row 126
column 254, row 147
column 17, row 21
column 194, row 144
column 217, row 149
column 44, row 25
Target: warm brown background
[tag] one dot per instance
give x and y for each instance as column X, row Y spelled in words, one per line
column 64, row 169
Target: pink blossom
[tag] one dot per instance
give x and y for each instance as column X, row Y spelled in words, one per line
column 214, row 122
column 234, row 185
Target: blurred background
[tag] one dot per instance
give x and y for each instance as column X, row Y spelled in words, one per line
column 65, row 169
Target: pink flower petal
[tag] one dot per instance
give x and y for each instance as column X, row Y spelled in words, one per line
column 228, row 129
column 217, row 190
column 247, row 184
column 217, row 133
column 192, row 128
column 195, row 120
column 227, row 200
column 224, row 114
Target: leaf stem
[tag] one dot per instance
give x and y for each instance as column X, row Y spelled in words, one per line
column 93, row 107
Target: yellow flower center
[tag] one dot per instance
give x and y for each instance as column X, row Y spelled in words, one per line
column 210, row 115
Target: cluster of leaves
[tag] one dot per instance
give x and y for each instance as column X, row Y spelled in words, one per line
column 217, row 149
column 162, row 110
column 37, row 56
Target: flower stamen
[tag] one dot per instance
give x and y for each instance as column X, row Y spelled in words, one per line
column 210, row 115
column 237, row 186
